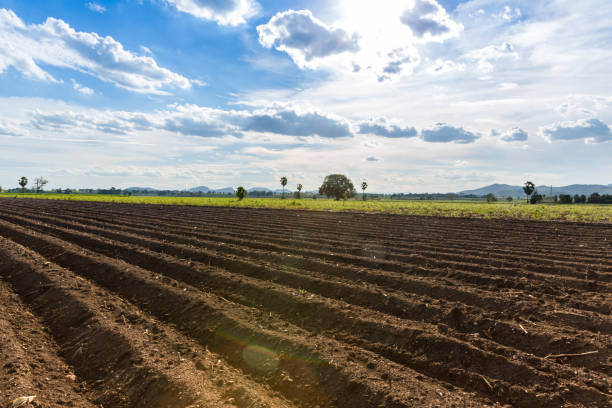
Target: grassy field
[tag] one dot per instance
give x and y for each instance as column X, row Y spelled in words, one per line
column 572, row 212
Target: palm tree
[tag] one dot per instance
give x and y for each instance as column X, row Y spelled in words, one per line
column 23, row 182
column 299, row 189
column 528, row 188
column 283, row 182
column 364, row 185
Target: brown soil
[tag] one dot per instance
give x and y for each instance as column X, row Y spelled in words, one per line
column 157, row 306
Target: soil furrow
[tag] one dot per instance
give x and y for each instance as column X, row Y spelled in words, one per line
column 312, row 376
column 31, row 365
column 309, row 308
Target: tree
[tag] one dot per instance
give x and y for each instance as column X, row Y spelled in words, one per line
column 580, row 199
column 509, row 199
column 283, row 182
column 241, row 193
column 528, row 188
column 298, row 193
column 40, row 183
column 491, row 198
column 565, row 199
column 594, row 198
column 337, row 186
column 364, row 186
column 23, row 182
column 536, row 197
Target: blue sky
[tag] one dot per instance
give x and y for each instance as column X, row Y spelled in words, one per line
column 413, row 96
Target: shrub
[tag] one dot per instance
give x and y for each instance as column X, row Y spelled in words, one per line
column 536, row 197
column 565, row 199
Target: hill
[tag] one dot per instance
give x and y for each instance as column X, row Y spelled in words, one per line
column 266, row 189
column 506, row 190
column 225, row 190
column 199, row 189
column 146, row 189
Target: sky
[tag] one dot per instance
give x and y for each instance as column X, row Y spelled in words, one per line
column 408, row 95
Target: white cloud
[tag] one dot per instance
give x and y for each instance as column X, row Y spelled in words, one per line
column 114, row 122
column 261, row 151
column 82, row 89
column 293, row 121
column 443, row 133
column 382, row 127
column 510, row 13
column 193, row 120
column 513, row 135
column 306, row 39
column 93, row 6
column 276, row 119
column 9, row 128
column 507, row 86
column 429, row 21
column 442, row 66
column 399, row 61
column 485, row 56
column 590, row 130
column 368, row 40
column 581, row 105
column 493, row 52
column 224, row 12
column 55, row 43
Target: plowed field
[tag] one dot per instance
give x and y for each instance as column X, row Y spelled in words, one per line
column 124, row 305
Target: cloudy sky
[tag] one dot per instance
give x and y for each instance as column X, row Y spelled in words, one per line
column 410, row 95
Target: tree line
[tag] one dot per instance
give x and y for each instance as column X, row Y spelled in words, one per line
column 336, row 186
column 533, row 197
column 594, row 198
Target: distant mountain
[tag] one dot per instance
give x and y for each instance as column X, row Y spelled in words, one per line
column 280, row 190
column 147, row 189
column 506, row 190
column 200, row 189
column 266, row 189
column 225, row 190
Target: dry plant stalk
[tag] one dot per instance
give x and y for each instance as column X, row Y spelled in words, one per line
column 486, row 381
column 21, row 401
column 572, row 355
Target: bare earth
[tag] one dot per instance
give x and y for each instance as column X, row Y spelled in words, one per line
column 124, row 305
